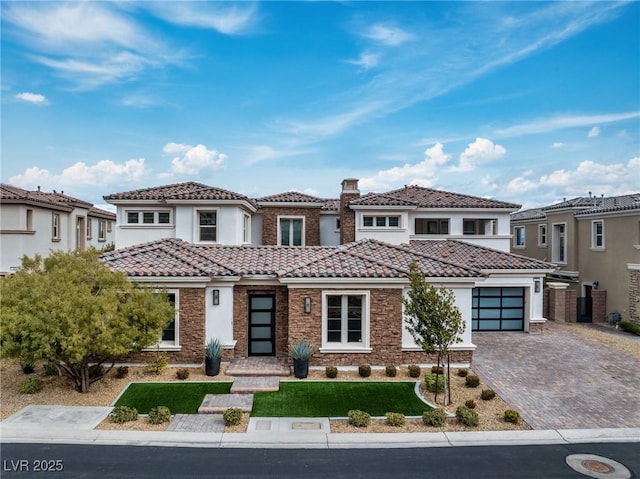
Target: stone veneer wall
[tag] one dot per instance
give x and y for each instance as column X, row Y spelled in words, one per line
column 270, row 224
column 634, row 295
column 347, row 218
column 241, row 317
column 599, row 310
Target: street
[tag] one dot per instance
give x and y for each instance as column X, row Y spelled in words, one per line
column 140, row 462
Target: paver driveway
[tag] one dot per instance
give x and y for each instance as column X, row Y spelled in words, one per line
column 561, row 379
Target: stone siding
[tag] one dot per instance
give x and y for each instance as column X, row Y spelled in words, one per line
column 347, row 218
column 270, row 224
column 634, row 295
column 599, row 310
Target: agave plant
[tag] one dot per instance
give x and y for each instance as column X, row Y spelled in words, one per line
column 213, row 349
column 301, row 350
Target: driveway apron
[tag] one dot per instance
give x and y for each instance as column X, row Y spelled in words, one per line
column 561, row 379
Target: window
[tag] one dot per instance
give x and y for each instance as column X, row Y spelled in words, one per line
column 171, row 334
column 597, row 234
column 337, row 224
column 132, row 217
column 518, row 237
column 345, row 320
column 559, row 245
column 89, row 228
column 487, row 226
column 291, row 231
column 102, row 235
column 542, row 235
column 29, row 220
column 426, row 226
column 207, row 224
column 469, row 227
column 109, row 226
column 381, row 221
column 164, row 217
column 148, row 217
column 246, row 229
column 55, row 227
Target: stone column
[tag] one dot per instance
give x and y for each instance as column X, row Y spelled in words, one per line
column 557, row 301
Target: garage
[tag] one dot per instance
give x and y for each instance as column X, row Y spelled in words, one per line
column 498, row 309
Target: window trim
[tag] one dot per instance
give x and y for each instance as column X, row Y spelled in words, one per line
column 89, row 228
column 374, row 222
column 196, row 225
column 109, row 226
column 55, row 226
column 165, row 345
column 516, row 237
column 246, row 228
column 345, row 347
column 541, row 235
column 291, row 217
column 102, row 230
column 595, row 235
column 555, row 249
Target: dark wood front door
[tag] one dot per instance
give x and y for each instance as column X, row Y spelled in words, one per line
column 262, row 319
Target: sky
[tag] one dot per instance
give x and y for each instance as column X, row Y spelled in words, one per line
column 527, row 102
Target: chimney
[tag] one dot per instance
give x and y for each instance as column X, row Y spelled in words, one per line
column 349, row 193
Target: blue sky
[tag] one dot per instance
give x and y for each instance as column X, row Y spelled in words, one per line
column 527, row 102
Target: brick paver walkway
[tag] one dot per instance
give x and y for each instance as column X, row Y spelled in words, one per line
column 561, row 379
column 197, row 423
column 218, row 403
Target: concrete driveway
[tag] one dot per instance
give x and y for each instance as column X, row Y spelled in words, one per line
column 562, row 379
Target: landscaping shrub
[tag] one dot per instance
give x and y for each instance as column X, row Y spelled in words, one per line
column 467, row 416
column 629, row 327
column 512, row 416
column 472, row 381
column 430, row 383
column 463, row 372
column 395, row 419
column 122, row 414
column 182, row 374
column 391, row 371
column 359, row 418
column 364, row 370
column 331, row 372
column 232, row 416
column 471, row 404
column 487, row 394
column 158, row 365
column 50, row 369
column 96, row 371
column 437, row 369
column 30, row 386
column 435, row 417
column 159, row 415
column 122, row 371
column 27, row 368
column 414, row 370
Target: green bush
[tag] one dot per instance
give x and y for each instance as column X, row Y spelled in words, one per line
column 182, row 374
column 232, row 416
column 471, row 404
column 122, row 414
column 158, row 365
column 331, row 372
column 472, row 381
column 467, row 416
column 430, row 383
column 122, row 371
column 364, row 370
column 391, row 371
column 434, row 417
column 395, row 419
column 463, row 372
column 414, row 371
column 512, row 416
column 629, row 327
column 437, row 369
column 359, row 418
column 487, row 394
column 50, row 369
column 30, row 386
column 27, row 368
column 159, row 415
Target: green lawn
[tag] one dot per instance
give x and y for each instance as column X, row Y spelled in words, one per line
column 295, row 399
column 180, row 398
column 336, row 398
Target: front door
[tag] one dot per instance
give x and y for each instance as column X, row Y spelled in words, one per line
column 262, row 318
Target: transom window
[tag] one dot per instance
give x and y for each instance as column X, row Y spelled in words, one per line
column 428, row 226
column 519, row 238
column 207, row 225
column 148, row 217
column 381, row 221
column 291, row 231
column 542, row 235
column 597, row 234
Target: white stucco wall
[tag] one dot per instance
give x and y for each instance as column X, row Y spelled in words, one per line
column 219, row 318
column 329, row 235
column 389, row 235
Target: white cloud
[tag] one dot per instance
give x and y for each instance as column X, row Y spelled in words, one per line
column 479, row 152
column 192, row 160
column 422, row 173
column 366, row 60
column 387, row 35
column 226, row 19
column 593, row 132
column 557, row 144
column 35, row 98
column 545, row 125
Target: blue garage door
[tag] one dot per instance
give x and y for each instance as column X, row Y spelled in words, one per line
column 498, row 309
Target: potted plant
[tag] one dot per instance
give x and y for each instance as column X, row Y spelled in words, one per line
column 301, row 353
column 213, row 355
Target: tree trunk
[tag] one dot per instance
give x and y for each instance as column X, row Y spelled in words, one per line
column 435, row 398
column 448, row 378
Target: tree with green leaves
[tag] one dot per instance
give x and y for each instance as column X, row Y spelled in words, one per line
column 433, row 320
column 70, row 309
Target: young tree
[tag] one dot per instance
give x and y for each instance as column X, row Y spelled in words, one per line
column 73, row 311
column 433, row 320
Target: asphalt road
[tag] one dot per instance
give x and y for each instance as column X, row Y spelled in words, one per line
column 140, row 462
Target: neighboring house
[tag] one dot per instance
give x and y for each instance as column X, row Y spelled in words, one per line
column 595, row 242
column 34, row 222
column 263, row 273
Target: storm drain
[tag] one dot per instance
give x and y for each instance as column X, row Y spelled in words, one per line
column 597, row 466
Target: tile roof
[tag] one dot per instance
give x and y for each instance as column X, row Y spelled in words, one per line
column 475, row 256
column 102, row 213
column 613, row 203
column 180, row 191
column 331, row 204
column 532, row 214
column 14, row 194
column 584, row 206
column 290, row 197
column 420, row 197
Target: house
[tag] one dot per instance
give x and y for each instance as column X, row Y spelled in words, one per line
column 35, row 222
column 263, row 273
column 595, row 241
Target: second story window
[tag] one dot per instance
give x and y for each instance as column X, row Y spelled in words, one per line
column 542, row 235
column 55, row 227
column 102, row 235
column 479, row 226
column 148, row 217
column 559, row 243
column 597, row 234
column 381, row 221
column 290, row 231
column 428, row 226
column 89, row 228
column 207, row 224
column 246, row 229
column 518, row 237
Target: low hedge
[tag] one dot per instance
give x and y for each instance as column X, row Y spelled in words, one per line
column 630, row 327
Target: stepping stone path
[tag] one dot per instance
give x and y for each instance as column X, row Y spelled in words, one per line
column 253, row 384
column 197, row 423
column 218, row 403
